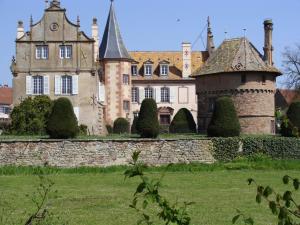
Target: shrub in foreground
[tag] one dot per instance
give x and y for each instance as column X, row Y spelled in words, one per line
column 121, row 126
column 147, row 124
column 224, row 122
column 133, row 126
column 62, row 121
column 183, row 122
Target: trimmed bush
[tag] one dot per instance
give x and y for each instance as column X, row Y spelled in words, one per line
column 133, row 126
column 224, row 122
column 147, row 124
column 83, row 130
column 109, row 129
column 62, row 122
column 121, row 126
column 183, row 122
column 31, row 116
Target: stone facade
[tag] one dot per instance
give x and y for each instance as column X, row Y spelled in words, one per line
column 103, row 153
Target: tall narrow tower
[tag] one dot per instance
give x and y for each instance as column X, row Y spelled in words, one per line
column 210, row 46
column 116, row 64
column 268, row 48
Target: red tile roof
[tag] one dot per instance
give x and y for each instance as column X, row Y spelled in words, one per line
column 6, row 95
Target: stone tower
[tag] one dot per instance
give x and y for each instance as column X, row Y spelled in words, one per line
column 115, row 82
column 268, row 47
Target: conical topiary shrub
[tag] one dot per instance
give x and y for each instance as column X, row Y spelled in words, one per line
column 183, row 122
column 133, row 126
column 62, row 122
column 147, row 124
column 224, row 122
column 121, row 126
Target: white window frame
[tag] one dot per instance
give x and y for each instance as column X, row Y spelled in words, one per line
column 148, row 69
column 149, row 92
column 66, row 85
column 126, row 79
column 134, row 72
column 165, row 95
column 164, row 69
column 41, row 52
column 37, row 85
column 65, row 51
column 135, row 95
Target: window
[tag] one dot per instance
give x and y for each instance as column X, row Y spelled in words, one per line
column 126, row 105
column 165, row 119
column 38, row 85
column 264, row 79
column 66, row 85
column 4, row 109
column 148, row 92
column 41, row 52
column 148, row 70
column 243, row 78
column 134, row 70
column 126, row 79
column 165, row 94
column 211, row 104
column 164, row 70
column 135, row 114
column 135, row 95
column 65, row 51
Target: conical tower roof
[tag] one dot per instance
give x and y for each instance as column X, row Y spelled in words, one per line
column 235, row 55
column 112, row 45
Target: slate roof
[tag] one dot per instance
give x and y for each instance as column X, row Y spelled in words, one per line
column 112, row 46
column 235, row 55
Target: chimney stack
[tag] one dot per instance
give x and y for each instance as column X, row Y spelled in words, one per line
column 186, row 59
column 95, row 36
column 268, row 47
column 20, row 30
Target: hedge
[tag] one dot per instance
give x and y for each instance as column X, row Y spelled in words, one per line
column 226, row 149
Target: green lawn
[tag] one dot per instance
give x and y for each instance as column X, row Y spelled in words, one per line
column 103, row 198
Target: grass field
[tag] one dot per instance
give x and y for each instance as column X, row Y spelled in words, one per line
column 101, row 197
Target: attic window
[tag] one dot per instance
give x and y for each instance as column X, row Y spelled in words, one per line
column 164, row 69
column 148, row 70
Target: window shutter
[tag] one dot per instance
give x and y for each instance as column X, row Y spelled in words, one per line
column 57, row 85
column 157, row 94
column 46, row 85
column 76, row 112
column 101, row 92
column 28, row 85
column 141, row 94
column 172, row 94
column 75, row 85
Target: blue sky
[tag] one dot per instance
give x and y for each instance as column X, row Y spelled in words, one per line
column 154, row 25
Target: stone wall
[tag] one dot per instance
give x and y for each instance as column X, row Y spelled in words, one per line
column 103, row 153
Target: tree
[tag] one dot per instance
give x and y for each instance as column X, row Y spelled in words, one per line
column 30, row 117
column 147, row 124
column 224, row 122
column 62, row 121
column 291, row 64
column 291, row 122
column 121, row 126
column 183, row 122
column 133, row 126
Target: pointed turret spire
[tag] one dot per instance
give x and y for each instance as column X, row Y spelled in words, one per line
column 112, row 46
column 210, row 47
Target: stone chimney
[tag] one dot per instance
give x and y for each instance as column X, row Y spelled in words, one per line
column 95, row 36
column 268, row 48
column 210, row 46
column 186, row 59
column 20, row 30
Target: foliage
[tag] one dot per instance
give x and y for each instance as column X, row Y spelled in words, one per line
column 147, row 192
column 284, row 206
column 83, row 130
column 31, row 116
column 291, row 64
column 121, row 126
column 164, row 129
column 41, row 214
column 109, row 129
column 133, row 126
column 287, row 129
column 225, row 149
column 291, row 122
column 147, row 124
column 224, row 122
column 183, row 122
column 62, row 121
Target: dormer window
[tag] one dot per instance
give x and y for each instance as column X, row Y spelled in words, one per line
column 164, row 68
column 148, row 70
